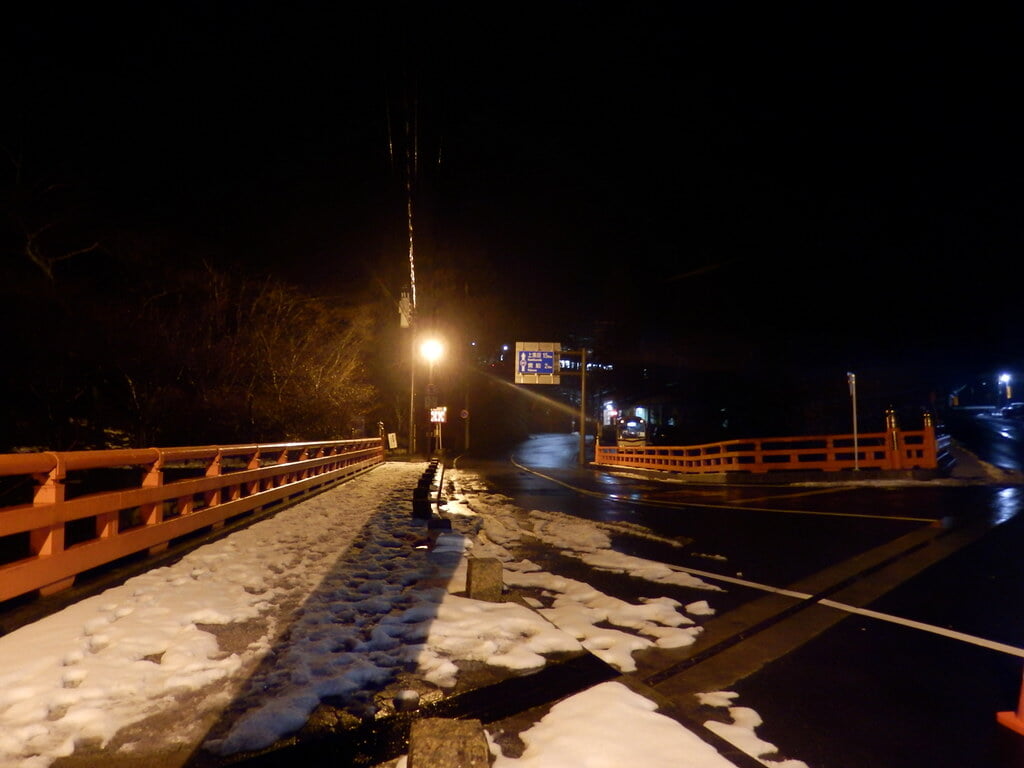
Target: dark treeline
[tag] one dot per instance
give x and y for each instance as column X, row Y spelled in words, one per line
column 129, row 335
column 121, row 335
column 107, row 354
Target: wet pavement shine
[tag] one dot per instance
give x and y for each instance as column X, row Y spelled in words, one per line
column 835, row 688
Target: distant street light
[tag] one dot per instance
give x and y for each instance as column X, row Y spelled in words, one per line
column 1004, row 379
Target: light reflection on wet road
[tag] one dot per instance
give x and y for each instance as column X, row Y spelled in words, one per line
column 863, row 672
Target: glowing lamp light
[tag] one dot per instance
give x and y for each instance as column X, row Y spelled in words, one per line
column 432, row 350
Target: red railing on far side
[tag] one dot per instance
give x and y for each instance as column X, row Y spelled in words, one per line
column 53, row 538
column 894, row 449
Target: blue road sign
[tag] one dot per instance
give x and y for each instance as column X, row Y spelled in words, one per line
column 536, row 361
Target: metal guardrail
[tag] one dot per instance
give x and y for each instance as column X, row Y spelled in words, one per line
column 48, row 542
column 894, row 449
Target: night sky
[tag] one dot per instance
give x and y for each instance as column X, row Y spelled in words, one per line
column 722, row 184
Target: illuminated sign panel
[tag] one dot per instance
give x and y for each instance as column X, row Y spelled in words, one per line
column 537, row 362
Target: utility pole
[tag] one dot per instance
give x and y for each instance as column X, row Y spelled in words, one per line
column 851, row 379
column 406, row 312
column 583, row 406
column 582, row 352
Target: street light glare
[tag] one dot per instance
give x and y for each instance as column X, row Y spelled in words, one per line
column 432, row 350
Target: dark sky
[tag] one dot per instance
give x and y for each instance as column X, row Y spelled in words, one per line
column 827, row 183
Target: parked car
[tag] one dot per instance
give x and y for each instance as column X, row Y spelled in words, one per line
column 1012, row 411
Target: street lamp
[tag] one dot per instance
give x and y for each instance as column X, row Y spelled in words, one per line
column 1004, row 379
column 431, row 350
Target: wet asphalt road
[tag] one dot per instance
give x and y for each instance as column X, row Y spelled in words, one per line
column 855, row 691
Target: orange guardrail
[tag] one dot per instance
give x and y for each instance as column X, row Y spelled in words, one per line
column 894, row 449
column 55, row 537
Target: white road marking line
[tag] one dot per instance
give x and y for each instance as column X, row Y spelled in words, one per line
column 835, row 604
column 910, row 623
column 682, row 504
column 942, row 631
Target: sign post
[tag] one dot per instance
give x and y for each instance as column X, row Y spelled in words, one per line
column 851, row 379
column 540, row 362
column 438, row 416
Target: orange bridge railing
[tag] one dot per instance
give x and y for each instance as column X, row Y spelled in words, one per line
column 894, row 449
column 140, row 500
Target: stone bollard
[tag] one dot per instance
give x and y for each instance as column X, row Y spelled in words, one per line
column 483, row 579
column 421, row 502
column 436, row 523
column 436, row 742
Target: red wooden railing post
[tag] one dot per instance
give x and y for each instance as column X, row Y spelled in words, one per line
column 892, row 443
column 255, row 486
column 49, row 541
column 153, row 513
column 930, row 449
column 214, row 497
column 153, row 478
column 50, row 489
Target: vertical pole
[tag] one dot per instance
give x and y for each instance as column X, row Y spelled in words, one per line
column 895, row 450
column 852, row 381
column 583, row 406
column 433, row 447
column 412, row 392
column 930, row 454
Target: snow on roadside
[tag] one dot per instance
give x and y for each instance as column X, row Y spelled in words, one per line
column 740, row 732
column 334, row 597
column 626, row 726
column 624, row 723
column 611, row 726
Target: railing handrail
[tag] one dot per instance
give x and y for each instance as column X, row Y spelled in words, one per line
column 149, row 514
column 893, row 449
column 46, row 461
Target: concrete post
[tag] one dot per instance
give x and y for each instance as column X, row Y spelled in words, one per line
column 436, row 742
column 483, row 579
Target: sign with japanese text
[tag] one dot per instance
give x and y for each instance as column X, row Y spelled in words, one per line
column 537, row 362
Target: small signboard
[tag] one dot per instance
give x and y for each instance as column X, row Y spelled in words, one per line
column 538, row 362
column 439, row 415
